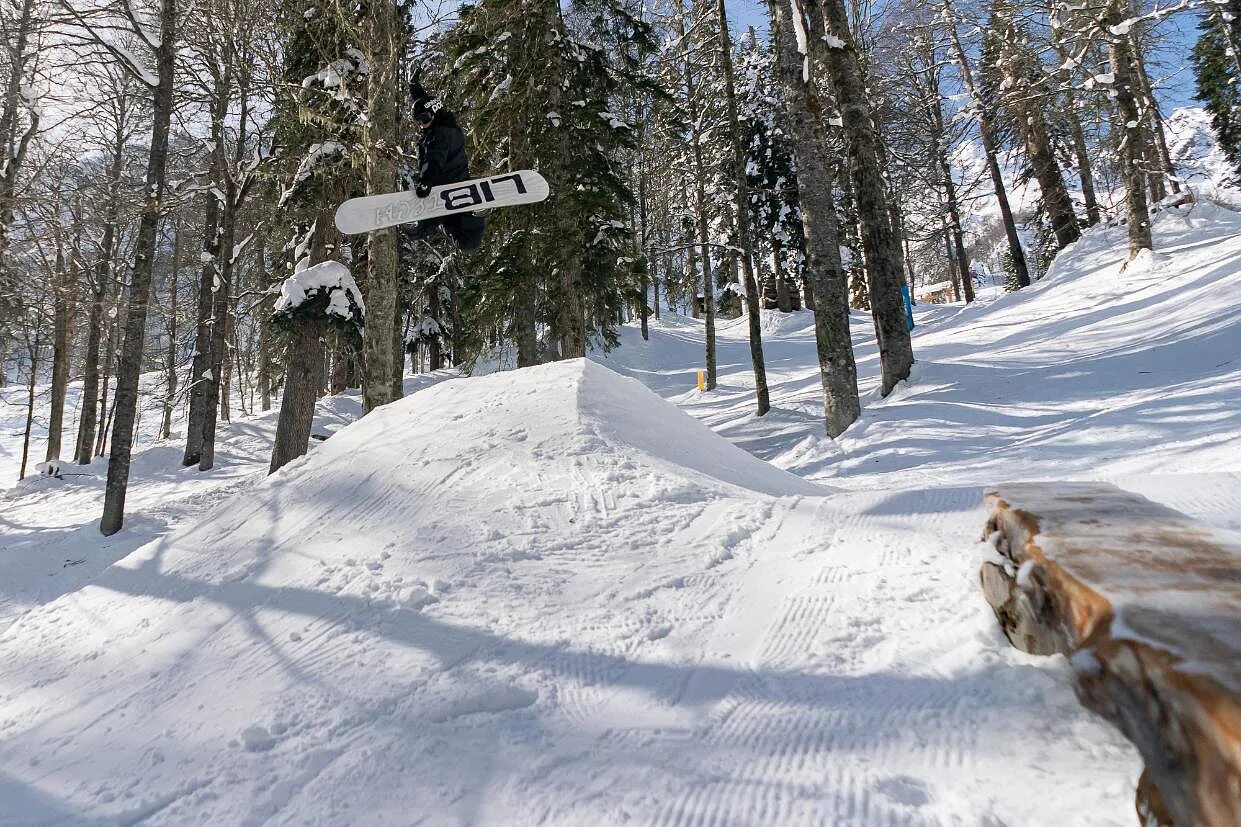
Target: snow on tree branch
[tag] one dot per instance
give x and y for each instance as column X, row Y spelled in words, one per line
column 329, row 278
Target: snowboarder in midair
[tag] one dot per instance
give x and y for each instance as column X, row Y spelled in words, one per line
column 441, row 160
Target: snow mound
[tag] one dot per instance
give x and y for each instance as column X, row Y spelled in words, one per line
column 355, row 621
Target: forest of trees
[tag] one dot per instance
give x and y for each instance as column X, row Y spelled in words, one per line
column 167, row 167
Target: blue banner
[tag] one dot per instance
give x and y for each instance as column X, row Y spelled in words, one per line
column 909, row 305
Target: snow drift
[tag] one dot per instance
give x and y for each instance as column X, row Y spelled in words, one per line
column 277, row 657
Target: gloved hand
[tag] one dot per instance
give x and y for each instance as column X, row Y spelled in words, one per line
column 422, row 190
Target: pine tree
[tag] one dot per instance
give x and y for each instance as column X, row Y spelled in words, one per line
column 318, row 122
column 1217, row 74
column 540, row 84
column 771, row 176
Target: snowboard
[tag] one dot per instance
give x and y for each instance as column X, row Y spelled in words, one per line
column 374, row 212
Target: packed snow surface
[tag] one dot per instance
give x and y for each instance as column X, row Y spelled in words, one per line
column 551, row 596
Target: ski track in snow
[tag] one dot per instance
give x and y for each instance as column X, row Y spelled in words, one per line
column 546, row 597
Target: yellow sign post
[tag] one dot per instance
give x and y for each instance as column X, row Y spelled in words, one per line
column 702, row 380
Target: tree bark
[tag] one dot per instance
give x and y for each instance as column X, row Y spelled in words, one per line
column 1156, row 122
column 763, row 398
column 340, row 366
column 640, row 241
column 301, row 390
column 398, row 347
column 1047, row 173
column 115, row 327
column 304, row 357
column 932, row 103
column 233, row 79
column 1081, row 152
column 828, row 294
column 704, row 234
column 130, row 366
column 215, row 383
column 200, row 365
column 883, row 269
column 62, row 342
column 88, row 420
column 264, row 358
column 170, row 357
column 1031, row 123
column 525, row 333
column 1085, row 170
column 33, row 351
column 13, row 152
column 1131, row 128
column 986, row 129
column 381, row 35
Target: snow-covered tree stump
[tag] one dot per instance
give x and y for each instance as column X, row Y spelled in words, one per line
column 1147, row 604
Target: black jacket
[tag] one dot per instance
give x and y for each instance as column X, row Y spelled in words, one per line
column 441, row 152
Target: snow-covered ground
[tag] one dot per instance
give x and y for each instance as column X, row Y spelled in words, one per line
column 548, row 596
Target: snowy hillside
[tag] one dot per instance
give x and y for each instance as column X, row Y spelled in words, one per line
column 550, row 596
column 1196, row 152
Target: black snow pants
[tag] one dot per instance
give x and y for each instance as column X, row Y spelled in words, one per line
column 466, row 229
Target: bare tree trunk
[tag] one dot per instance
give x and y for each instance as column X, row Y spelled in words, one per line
column 62, row 342
column 13, row 152
column 340, row 366
column 301, row 390
column 524, row 331
column 986, row 128
column 700, row 204
column 1158, row 133
column 227, row 364
column 932, row 102
column 883, row 269
column 827, row 294
column 381, row 35
column 655, row 289
column 33, row 351
column 784, row 301
column 1081, row 152
column 130, row 365
column 170, row 358
column 200, row 365
column 1132, row 142
column 305, row 356
column 264, row 358
column 115, row 328
column 1085, row 170
column 913, row 298
column 1027, row 112
column 398, row 347
column 88, row 420
column 1047, row 172
column 641, row 241
column 743, row 217
column 215, row 382
column 954, row 272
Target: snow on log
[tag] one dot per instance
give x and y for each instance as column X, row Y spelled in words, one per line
column 1147, row 604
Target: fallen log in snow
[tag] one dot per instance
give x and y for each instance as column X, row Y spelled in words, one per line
column 1147, row 604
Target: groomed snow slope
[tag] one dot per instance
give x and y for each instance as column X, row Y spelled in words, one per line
column 544, row 597
column 550, row 597
column 1091, row 374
